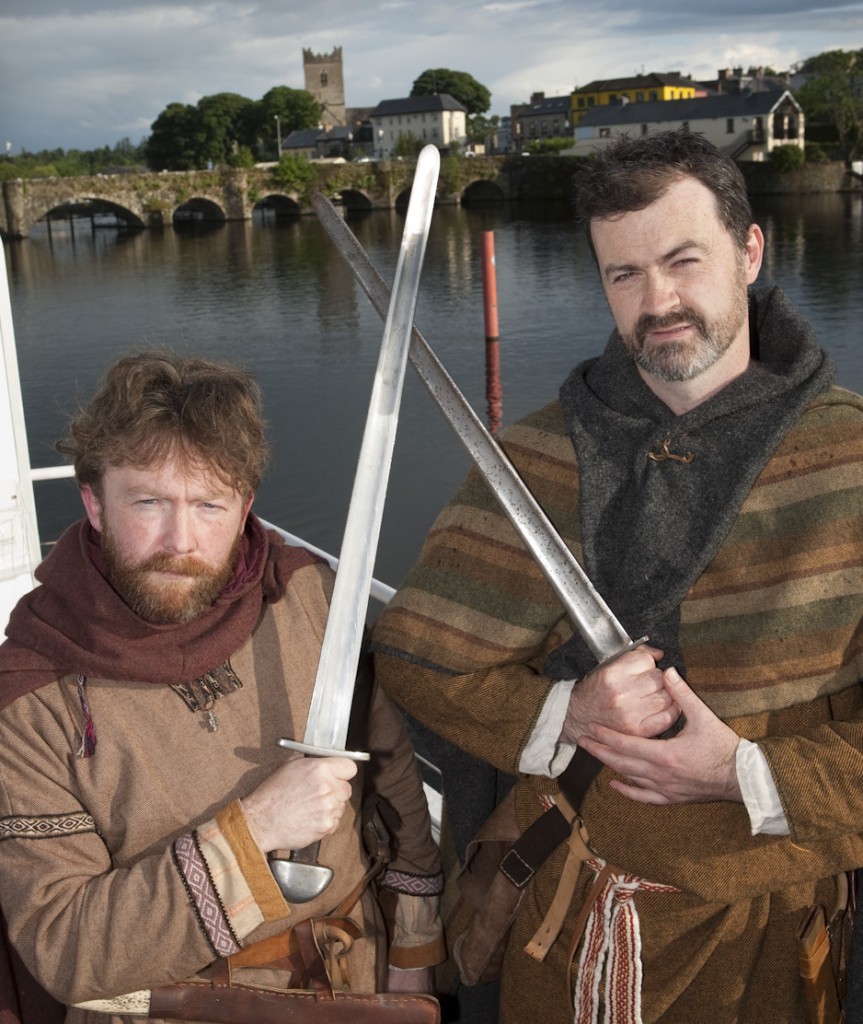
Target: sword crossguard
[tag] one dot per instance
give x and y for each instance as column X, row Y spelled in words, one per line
column 312, row 751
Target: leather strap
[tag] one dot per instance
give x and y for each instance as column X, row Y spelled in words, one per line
column 537, row 843
column 548, row 931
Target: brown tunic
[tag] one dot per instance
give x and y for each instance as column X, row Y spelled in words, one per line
column 101, row 856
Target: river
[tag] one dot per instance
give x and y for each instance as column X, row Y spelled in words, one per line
column 277, row 297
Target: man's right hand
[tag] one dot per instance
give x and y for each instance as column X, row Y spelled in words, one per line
column 627, row 695
column 300, row 803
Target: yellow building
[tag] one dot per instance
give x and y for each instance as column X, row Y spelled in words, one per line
column 639, row 89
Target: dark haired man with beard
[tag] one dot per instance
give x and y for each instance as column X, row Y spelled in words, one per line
column 709, row 476
column 143, row 688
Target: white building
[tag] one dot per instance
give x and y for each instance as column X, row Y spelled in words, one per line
column 439, row 120
column 746, row 127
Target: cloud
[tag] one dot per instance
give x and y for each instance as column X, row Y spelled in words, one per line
column 87, row 73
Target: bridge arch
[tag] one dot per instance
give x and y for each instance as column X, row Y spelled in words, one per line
column 482, row 191
column 199, row 209
column 355, row 200
column 94, row 209
column 279, row 205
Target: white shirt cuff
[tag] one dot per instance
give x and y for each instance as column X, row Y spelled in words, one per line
column 544, row 754
column 759, row 791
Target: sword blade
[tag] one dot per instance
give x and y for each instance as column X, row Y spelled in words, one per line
column 594, row 620
column 330, row 708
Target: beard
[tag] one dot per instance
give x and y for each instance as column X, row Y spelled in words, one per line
column 672, row 361
column 159, row 599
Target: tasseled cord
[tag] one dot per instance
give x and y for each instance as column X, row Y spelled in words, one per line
column 88, row 737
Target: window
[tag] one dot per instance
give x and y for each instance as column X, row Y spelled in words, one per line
column 654, row 95
column 639, row 97
column 591, row 100
column 729, row 126
column 605, row 133
column 644, row 129
column 324, row 79
column 581, row 101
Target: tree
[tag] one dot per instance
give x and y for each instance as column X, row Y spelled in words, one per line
column 833, row 94
column 295, row 108
column 480, row 127
column 459, row 84
column 172, row 146
column 225, row 123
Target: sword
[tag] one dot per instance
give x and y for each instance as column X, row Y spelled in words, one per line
column 594, row 620
column 301, row 878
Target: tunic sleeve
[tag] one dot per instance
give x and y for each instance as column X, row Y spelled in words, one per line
column 69, row 906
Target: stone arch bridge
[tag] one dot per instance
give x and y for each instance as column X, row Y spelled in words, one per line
column 158, row 199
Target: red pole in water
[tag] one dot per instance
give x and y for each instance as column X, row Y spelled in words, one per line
column 493, row 394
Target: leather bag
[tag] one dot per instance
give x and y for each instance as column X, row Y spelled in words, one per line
column 484, row 901
column 222, row 1001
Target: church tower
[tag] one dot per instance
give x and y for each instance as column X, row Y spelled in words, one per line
column 325, row 81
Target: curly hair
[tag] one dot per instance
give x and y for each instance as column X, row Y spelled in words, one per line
column 633, row 172
column 152, row 405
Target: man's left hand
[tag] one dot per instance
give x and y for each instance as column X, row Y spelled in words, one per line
column 697, row 765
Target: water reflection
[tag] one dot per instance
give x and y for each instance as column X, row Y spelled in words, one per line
column 276, row 295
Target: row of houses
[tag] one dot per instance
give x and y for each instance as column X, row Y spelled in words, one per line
column 437, row 119
column 746, row 116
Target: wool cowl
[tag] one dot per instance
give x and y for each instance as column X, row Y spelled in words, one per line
column 660, row 491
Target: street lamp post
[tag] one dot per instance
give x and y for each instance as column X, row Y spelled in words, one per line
column 278, row 137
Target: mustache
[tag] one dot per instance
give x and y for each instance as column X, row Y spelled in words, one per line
column 646, row 322
column 183, row 566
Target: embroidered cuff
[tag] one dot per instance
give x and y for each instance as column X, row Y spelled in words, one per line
column 252, row 862
column 203, row 895
column 243, row 912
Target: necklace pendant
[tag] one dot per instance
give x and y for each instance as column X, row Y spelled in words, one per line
column 212, row 721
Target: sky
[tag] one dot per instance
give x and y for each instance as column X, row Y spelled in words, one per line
column 80, row 74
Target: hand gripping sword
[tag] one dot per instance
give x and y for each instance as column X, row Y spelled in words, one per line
column 301, row 878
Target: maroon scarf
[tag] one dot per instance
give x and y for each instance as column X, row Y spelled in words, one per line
column 76, row 622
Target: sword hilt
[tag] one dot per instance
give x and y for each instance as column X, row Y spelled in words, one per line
column 299, row 875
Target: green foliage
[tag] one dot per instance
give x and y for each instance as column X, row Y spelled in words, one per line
column 227, row 129
column 242, row 157
column 787, row 158
column 225, row 122
column 541, row 147
column 459, row 84
column 293, row 174
column 450, row 176
column 172, row 146
column 408, row 146
column 833, row 94
column 815, row 153
column 296, row 109
column 479, row 127
column 53, row 163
